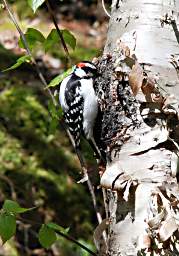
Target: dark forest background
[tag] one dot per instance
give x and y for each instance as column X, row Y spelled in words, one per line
column 38, row 166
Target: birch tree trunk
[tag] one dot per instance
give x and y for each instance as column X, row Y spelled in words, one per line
column 139, row 129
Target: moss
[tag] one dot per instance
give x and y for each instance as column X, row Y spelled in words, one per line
column 40, row 165
column 10, row 155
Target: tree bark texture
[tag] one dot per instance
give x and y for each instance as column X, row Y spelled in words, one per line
column 138, row 128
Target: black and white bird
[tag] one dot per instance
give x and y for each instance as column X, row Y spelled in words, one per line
column 79, row 104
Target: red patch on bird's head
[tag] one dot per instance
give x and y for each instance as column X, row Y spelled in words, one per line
column 81, row 65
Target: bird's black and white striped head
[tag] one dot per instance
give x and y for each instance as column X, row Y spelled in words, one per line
column 85, row 69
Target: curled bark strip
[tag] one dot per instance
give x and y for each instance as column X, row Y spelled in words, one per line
column 136, row 78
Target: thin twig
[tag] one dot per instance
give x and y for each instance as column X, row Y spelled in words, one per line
column 57, row 28
column 71, row 239
column 98, row 215
column 93, row 196
column 11, row 185
column 90, row 186
column 25, row 43
column 67, row 237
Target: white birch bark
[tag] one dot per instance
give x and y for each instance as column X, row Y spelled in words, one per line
column 139, row 129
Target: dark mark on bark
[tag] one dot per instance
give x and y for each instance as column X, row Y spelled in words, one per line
column 118, row 19
column 175, row 29
column 128, row 20
column 117, row 4
column 170, row 19
column 114, row 181
column 118, row 106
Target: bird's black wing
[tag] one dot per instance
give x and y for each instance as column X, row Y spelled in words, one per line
column 74, row 115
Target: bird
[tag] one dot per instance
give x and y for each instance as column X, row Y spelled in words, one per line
column 79, row 103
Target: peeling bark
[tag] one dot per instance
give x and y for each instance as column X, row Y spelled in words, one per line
column 154, row 44
column 138, row 128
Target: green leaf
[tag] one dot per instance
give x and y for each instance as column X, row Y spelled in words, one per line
column 58, row 79
column 47, row 236
column 69, row 38
column 19, row 62
column 13, row 207
column 33, row 36
column 7, row 226
column 53, row 38
column 35, row 4
column 57, row 227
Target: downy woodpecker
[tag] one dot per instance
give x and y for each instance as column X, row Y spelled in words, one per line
column 79, row 104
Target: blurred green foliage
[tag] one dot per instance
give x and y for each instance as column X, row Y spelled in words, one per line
column 40, row 165
column 37, row 161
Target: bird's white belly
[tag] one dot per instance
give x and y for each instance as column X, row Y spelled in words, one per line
column 90, row 110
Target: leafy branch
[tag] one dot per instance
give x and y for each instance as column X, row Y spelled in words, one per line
column 57, row 29
column 35, row 5
column 26, row 46
column 47, row 234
